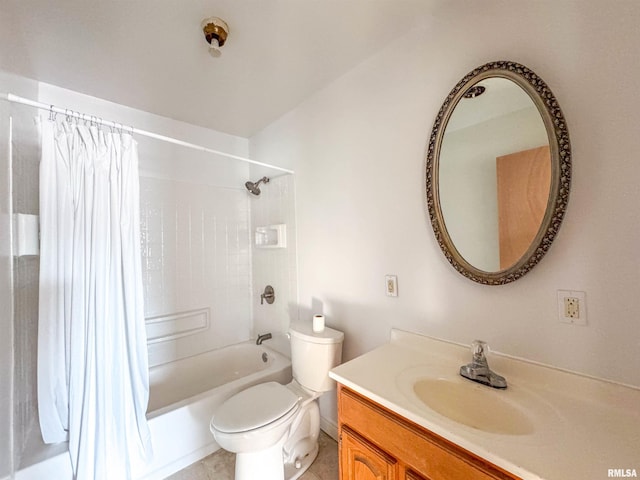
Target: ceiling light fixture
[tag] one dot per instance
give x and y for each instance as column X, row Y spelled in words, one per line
column 215, row 32
column 474, row 91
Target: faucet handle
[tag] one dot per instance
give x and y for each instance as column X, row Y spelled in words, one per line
column 479, row 349
column 269, row 295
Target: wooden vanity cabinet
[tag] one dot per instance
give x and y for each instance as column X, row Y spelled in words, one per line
column 378, row 444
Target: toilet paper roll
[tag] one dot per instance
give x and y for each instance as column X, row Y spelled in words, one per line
column 318, row 323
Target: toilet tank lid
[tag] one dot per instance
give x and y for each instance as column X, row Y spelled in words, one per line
column 254, row 407
column 305, row 332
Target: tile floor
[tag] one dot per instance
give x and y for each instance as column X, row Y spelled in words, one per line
column 220, row 465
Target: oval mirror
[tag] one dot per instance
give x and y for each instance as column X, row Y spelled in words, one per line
column 498, row 172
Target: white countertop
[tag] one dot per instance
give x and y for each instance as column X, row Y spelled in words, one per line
column 583, row 427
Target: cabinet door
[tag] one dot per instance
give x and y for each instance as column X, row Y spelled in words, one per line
column 361, row 460
column 411, row 475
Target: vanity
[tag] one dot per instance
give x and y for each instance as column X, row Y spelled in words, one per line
column 408, row 450
column 404, row 412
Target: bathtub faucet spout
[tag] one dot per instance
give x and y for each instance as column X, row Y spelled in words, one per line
column 262, row 338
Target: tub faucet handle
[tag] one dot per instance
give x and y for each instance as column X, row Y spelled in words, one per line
column 269, row 295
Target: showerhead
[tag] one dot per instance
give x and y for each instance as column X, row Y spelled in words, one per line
column 253, row 187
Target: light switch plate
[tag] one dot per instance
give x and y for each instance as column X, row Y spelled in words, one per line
column 391, row 282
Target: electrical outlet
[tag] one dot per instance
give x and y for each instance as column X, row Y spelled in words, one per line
column 572, row 307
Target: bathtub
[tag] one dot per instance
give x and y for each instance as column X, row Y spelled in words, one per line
column 183, row 395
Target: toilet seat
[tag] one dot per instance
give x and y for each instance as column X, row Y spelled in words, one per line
column 254, row 408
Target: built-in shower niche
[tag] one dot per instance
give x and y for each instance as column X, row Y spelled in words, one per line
column 271, row 236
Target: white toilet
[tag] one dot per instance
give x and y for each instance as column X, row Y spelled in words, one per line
column 274, row 428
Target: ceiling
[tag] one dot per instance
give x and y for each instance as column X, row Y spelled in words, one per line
column 151, row 54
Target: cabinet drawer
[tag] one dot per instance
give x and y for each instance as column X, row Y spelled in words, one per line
column 420, row 450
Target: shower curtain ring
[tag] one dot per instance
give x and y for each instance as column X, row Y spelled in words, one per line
column 52, row 114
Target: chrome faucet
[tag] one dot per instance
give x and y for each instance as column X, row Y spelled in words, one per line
column 478, row 370
column 262, row 338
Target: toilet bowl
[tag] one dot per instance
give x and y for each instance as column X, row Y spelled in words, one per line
column 274, row 428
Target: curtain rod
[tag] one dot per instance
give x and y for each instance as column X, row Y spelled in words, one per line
column 108, row 123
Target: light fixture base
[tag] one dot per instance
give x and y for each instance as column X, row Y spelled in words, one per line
column 215, row 31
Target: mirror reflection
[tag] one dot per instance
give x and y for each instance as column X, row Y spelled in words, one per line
column 494, row 174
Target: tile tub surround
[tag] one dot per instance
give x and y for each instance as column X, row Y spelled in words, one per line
column 196, row 254
column 585, row 428
column 221, row 464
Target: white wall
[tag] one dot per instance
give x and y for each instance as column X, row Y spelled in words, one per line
column 358, row 148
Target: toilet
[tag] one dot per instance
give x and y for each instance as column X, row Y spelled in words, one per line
column 273, row 428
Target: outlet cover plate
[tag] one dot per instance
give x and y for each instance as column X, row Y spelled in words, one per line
column 572, row 307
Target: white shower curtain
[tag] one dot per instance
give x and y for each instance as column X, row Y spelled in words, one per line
column 93, row 381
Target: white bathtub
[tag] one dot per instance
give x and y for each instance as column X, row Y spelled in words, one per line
column 183, row 396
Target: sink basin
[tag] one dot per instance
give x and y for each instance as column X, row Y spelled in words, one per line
column 473, row 405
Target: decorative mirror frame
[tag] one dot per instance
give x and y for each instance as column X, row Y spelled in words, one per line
column 560, row 149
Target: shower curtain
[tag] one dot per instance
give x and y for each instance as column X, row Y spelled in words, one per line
column 93, row 384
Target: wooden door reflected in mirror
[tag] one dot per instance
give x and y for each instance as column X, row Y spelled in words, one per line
column 523, row 180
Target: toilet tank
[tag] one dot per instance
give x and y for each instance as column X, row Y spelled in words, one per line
column 313, row 354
